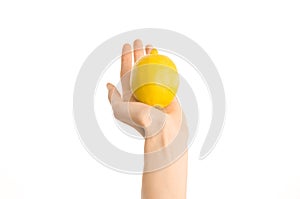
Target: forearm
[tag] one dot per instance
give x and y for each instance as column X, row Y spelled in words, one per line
column 168, row 182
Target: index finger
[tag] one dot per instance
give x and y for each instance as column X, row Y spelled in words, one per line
column 126, row 59
column 126, row 64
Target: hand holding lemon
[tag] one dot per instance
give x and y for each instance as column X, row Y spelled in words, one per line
column 153, row 80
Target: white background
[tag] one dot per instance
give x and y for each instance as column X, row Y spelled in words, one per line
column 254, row 44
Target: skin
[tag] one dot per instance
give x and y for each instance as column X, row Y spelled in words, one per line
column 161, row 180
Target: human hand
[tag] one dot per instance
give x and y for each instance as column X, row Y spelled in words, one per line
column 158, row 127
column 165, row 132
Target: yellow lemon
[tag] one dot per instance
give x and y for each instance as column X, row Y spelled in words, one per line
column 154, row 79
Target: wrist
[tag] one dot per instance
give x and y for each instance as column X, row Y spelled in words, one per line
column 164, row 148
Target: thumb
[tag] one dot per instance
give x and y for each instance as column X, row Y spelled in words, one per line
column 136, row 114
column 113, row 94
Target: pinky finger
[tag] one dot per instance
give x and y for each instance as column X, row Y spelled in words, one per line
column 148, row 48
